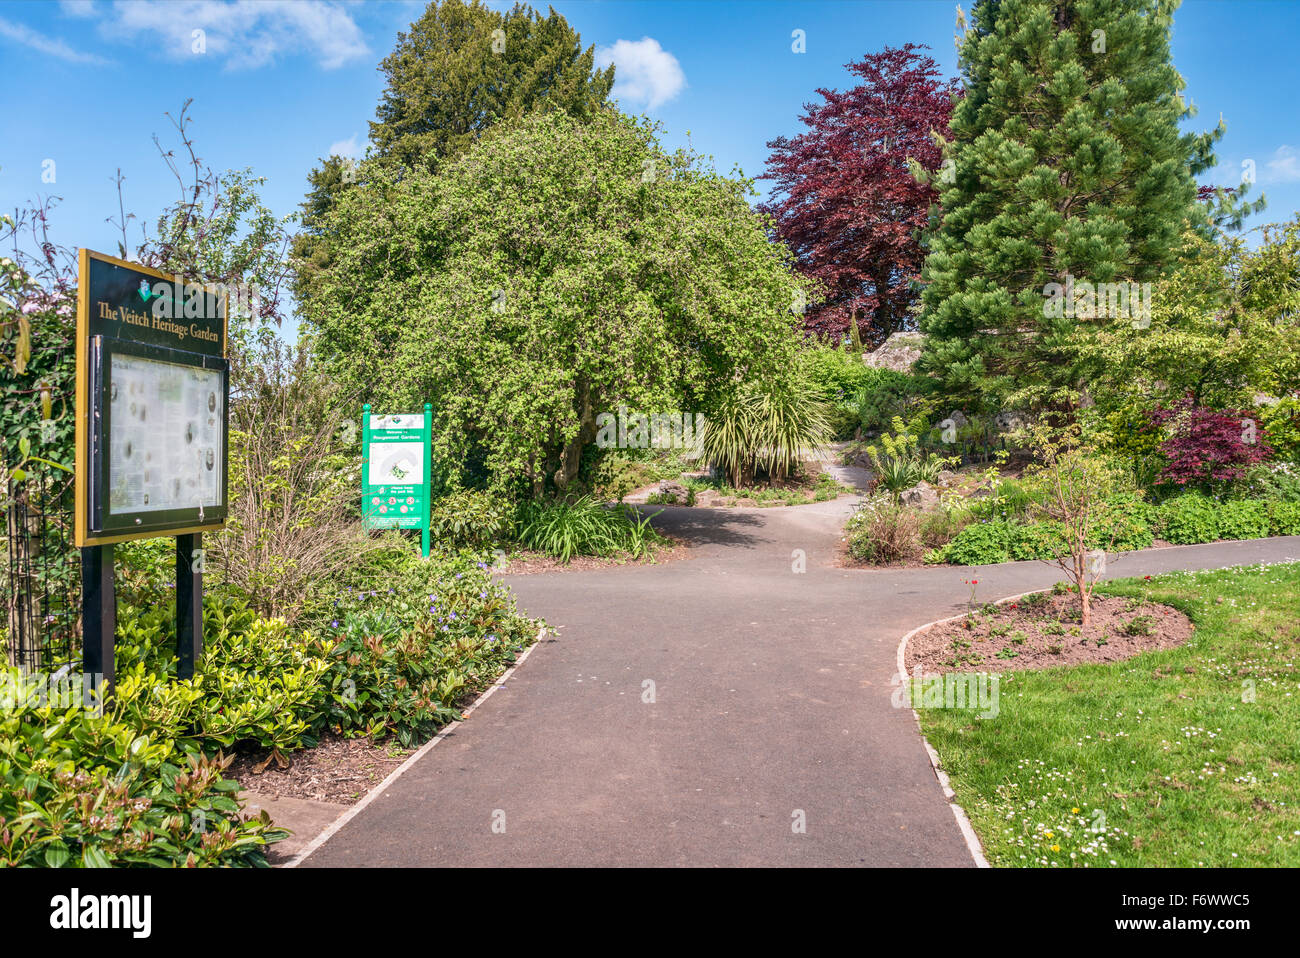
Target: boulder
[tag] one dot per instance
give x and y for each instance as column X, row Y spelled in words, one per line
column 921, row 496
column 679, row 493
column 898, row 352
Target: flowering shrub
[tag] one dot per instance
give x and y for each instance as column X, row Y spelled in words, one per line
column 1208, row 447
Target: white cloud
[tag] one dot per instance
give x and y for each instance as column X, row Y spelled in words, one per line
column 241, row 34
column 1284, row 167
column 42, row 43
column 79, row 9
column 643, row 71
column 348, row 147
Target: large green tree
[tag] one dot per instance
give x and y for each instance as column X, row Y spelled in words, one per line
column 462, row 68
column 559, row 269
column 1069, row 168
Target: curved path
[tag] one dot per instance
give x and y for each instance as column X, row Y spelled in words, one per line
column 771, row 696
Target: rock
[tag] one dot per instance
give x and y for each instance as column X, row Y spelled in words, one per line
column 898, row 352
column 921, row 496
column 980, row 493
column 680, row 494
column 1010, row 420
column 946, row 475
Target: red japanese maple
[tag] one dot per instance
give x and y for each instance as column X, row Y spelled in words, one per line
column 845, row 200
column 1208, row 446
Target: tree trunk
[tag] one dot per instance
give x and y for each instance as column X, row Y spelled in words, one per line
column 571, row 457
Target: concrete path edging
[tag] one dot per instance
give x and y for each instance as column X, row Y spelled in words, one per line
column 963, row 821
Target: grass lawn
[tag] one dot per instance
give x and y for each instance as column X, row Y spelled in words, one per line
column 1183, row 757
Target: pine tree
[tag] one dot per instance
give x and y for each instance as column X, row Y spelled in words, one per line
column 1069, row 168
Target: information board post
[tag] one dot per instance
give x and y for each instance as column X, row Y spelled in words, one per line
column 189, row 603
column 395, row 467
column 98, row 619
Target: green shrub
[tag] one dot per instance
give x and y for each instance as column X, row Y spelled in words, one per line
column 862, row 398
column 1243, row 519
column 1284, row 519
column 834, row 373
column 470, row 517
column 1278, row 481
column 79, row 790
column 1188, row 519
column 585, row 527
column 886, row 393
column 982, row 543
column 256, row 683
column 1001, row 540
column 899, row 463
column 1281, row 422
column 1125, row 524
column 765, row 429
column 881, row 531
column 1037, row 540
column 939, row 527
column 402, row 658
column 1010, row 498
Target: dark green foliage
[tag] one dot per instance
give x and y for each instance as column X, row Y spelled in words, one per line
column 1188, row 519
column 451, row 78
column 471, row 518
column 1067, row 161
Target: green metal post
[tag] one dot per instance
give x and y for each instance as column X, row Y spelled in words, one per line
column 428, row 485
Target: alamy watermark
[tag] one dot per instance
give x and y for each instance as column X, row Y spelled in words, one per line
column 62, row 690
column 657, row 430
column 1081, row 299
column 976, row 691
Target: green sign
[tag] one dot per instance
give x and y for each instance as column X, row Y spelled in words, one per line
column 395, row 465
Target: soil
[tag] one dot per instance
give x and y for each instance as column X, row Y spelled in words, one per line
column 1043, row 631
column 338, row 769
column 530, row 563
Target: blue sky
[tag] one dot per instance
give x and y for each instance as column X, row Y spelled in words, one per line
column 282, row 82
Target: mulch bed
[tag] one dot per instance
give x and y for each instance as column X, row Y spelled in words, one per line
column 1043, row 631
column 530, row 563
column 338, row 769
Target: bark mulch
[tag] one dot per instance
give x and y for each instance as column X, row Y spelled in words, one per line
column 337, row 770
column 1042, row 631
